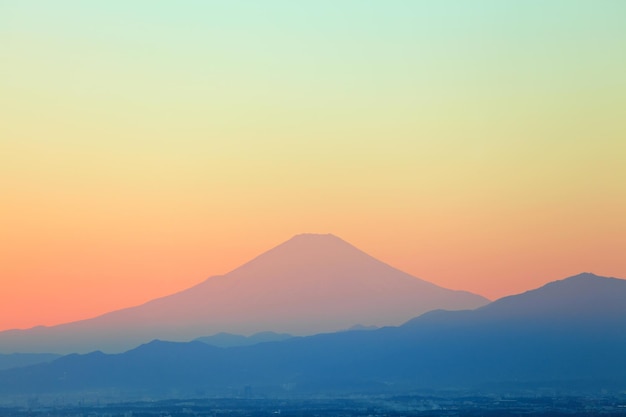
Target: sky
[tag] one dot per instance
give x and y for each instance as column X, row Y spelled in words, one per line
column 146, row 146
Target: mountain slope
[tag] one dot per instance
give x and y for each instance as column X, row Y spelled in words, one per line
column 309, row 284
column 514, row 343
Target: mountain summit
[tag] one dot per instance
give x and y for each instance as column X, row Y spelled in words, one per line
column 308, row 284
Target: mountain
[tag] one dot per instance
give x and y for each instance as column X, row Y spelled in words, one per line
column 230, row 340
column 567, row 336
column 309, row 284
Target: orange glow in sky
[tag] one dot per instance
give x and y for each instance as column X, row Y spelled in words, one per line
column 145, row 147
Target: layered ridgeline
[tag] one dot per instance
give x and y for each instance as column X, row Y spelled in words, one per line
column 307, row 285
column 230, row 340
column 568, row 336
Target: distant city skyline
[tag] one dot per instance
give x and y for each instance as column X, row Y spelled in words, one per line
column 146, row 146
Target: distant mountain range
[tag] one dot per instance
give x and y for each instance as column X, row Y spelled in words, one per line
column 568, row 336
column 307, row 285
column 230, row 340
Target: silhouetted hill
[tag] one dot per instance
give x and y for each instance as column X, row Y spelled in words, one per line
column 536, row 340
column 309, row 284
column 576, row 296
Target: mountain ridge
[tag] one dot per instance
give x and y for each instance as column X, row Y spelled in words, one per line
column 308, row 284
column 438, row 350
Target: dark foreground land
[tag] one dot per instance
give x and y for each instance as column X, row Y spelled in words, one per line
column 366, row 406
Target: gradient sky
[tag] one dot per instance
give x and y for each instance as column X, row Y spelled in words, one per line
column 145, row 146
